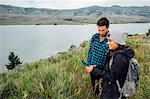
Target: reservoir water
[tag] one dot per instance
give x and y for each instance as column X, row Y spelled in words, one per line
column 34, row 42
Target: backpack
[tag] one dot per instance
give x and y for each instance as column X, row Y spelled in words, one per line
column 129, row 87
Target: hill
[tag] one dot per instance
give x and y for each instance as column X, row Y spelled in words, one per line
column 63, row 77
column 88, row 15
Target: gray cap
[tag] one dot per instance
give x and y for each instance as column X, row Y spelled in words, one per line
column 118, row 36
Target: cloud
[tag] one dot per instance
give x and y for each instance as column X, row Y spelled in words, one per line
column 24, row 3
column 71, row 4
column 66, row 4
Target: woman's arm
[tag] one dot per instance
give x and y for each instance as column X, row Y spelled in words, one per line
column 118, row 66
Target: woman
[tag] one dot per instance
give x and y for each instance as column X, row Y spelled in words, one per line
column 116, row 68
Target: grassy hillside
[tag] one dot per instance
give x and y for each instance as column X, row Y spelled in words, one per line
column 62, row 76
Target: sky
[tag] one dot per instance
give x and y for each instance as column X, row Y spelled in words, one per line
column 73, row 4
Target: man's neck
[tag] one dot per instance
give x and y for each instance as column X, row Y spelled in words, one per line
column 104, row 36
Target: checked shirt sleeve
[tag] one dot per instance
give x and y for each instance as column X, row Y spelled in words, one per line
column 89, row 53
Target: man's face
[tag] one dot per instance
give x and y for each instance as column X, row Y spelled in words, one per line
column 102, row 30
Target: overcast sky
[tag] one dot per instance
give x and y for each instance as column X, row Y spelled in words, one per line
column 72, row 4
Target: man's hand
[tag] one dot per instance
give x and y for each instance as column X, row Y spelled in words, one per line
column 89, row 68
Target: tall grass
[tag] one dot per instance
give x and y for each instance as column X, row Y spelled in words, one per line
column 62, row 76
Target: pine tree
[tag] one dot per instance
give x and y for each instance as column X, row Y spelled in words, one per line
column 14, row 61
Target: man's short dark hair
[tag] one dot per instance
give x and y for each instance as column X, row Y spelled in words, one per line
column 103, row 22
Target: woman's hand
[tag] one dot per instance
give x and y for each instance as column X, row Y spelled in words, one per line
column 89, row 68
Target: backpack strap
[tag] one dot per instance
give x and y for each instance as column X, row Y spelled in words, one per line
column 120, row 90
column 110, row 63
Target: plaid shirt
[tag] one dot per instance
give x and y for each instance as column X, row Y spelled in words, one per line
column 98, row 51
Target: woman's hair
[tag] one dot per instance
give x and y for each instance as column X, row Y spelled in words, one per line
column 121, row 47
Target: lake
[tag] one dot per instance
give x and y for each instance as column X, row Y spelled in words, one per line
column 34, row 42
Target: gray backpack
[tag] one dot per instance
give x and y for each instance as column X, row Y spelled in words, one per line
column 129, row 87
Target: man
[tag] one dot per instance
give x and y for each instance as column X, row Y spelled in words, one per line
column 98, row 50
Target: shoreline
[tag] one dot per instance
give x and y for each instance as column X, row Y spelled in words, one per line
column 76, row 23
column 4, row 69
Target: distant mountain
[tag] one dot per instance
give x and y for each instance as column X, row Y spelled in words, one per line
column 88, row 15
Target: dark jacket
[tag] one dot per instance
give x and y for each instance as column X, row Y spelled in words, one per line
column 118, row 72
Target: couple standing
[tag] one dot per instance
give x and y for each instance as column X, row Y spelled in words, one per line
column 103, row 46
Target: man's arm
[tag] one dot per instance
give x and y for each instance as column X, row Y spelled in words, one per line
column 89, row 52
